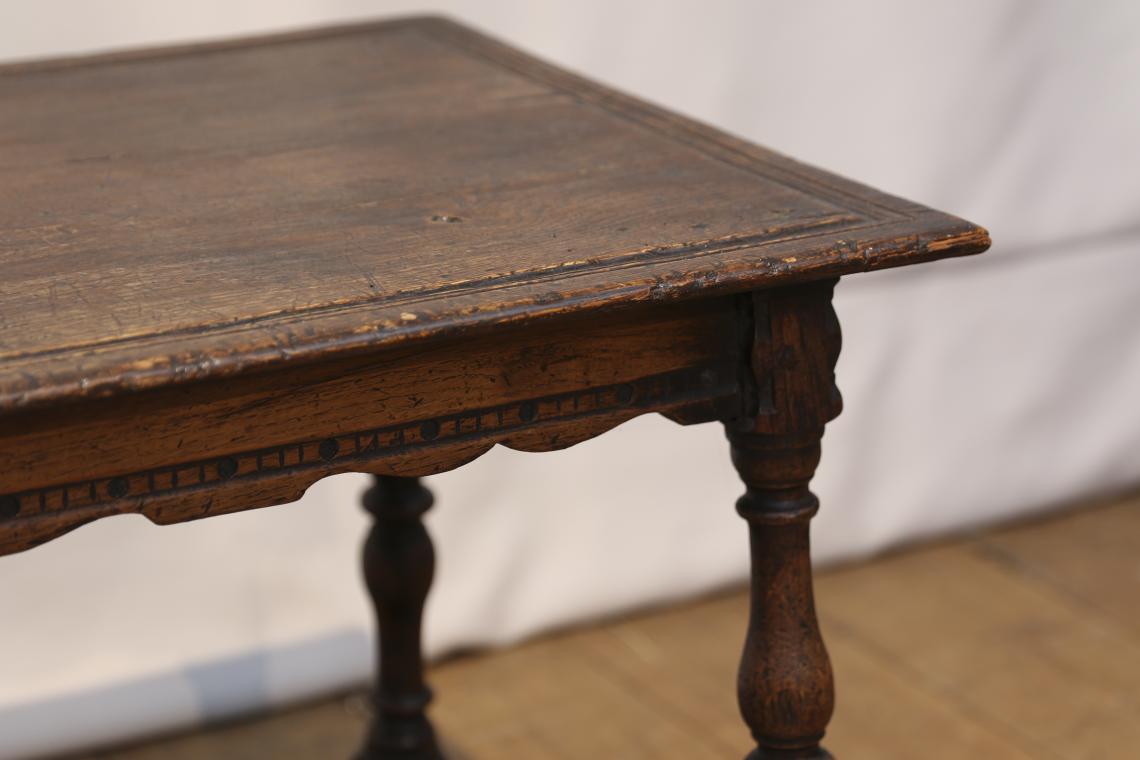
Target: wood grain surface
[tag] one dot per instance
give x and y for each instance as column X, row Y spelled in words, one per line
column 186, row 213
column 233, row 269
column 194, row 450
column 785, row 686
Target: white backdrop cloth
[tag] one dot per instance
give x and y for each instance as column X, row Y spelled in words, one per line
column 976, row 390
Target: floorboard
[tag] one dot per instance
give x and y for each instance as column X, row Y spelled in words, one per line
column 1021, row 642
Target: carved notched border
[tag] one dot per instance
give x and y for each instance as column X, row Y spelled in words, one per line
column 314, row 458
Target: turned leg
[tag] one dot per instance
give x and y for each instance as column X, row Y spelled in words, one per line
column 398, row 567
column 784, row 685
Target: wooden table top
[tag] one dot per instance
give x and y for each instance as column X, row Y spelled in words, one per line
column 183, row 213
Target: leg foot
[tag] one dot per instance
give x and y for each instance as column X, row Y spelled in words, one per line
column 819, row 754
column 398, row 565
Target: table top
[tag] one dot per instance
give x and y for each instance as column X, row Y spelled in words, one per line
column 193, row 212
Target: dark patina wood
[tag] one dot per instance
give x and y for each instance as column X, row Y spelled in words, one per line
column 398, row 565
column 232, row 269
column 785, row 684
column 193, row 450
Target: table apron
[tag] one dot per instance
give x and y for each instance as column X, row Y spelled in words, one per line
column 222, row 446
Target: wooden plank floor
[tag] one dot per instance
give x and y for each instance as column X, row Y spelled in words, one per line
column 1022, row 642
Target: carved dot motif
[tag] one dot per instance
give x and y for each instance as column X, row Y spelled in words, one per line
column 624, row 393
column 227, row 468
column 9, row 506
column 328, row 449
column 429, row 430
column 118, row 488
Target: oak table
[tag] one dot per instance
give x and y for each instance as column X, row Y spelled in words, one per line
column 232, row 269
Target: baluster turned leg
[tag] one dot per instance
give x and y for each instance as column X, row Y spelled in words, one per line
column 784, row 685
column 398, row 566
